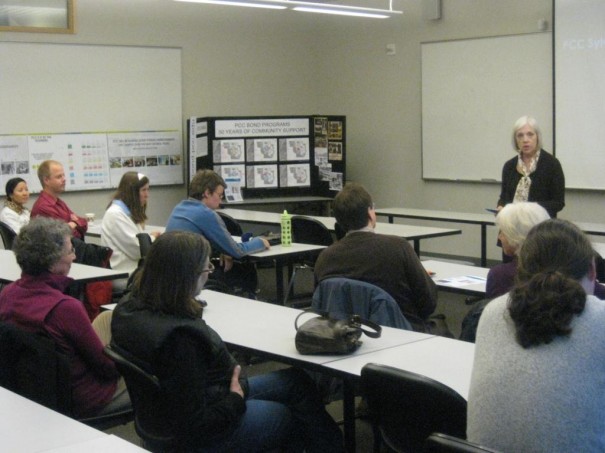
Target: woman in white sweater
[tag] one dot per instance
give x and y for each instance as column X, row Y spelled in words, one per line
column 124, row 219
column 14, row 213
column 538, row 380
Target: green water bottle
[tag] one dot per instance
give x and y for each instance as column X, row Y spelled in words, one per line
column 286, row 229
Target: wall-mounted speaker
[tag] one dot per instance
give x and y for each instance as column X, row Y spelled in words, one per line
column 431, row 9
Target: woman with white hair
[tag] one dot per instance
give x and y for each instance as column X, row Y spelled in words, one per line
column 533, row 174
column 514, row 222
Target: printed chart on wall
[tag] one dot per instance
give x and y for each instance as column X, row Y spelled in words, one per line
column 99, row 110
column 93, row 160
column 269, row 156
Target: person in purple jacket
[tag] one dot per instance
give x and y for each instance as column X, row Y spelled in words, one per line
column 514, row 222
column 197, row 214
column 37, row 303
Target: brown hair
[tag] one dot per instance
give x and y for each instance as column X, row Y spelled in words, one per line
column 205, row 180
column 128, row 192
column 547, row 293
column 171, row 272
column 351, row 206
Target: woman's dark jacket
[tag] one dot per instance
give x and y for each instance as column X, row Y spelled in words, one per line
column 547, row 183
column 194, row 368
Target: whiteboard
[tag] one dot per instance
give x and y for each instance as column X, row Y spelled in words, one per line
column 580, row 92
column 472, row 93
column 120, row 104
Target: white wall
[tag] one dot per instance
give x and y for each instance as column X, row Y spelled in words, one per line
column 242, row 61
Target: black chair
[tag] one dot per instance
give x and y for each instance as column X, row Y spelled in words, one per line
column 232, row 225
column 306, row 230
column 443, row 443
column 144, row 244
column 406, row 408
column 8, row 235
column 143, row 387
column 32, row 366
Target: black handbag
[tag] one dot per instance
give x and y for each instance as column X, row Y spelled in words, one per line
column 327, row 335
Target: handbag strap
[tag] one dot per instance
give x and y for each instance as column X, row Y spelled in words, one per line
column 374, row 333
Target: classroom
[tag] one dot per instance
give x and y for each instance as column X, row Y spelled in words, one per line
column 252, row 62
column 248, row 62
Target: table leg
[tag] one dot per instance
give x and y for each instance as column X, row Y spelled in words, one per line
column 417, row 247
column 279, row 282
column 483, row 245
column 348, row 409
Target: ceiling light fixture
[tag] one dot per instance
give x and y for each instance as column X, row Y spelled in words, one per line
column 309, row 7
column 236, row 3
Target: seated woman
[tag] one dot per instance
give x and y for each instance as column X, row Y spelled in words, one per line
column 37, row 303
column 538, row 375
column 14, row 213
column 124, row 219
column 204, row 400
column 514, row 222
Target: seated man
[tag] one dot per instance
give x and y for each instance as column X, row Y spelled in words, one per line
column 382, row 260
column 48, row 204
column 197, row 214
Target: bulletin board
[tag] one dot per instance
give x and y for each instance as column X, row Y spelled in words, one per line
column 99, row 110
column 262, row 157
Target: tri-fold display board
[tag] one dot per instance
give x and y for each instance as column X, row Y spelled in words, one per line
column 271, row 156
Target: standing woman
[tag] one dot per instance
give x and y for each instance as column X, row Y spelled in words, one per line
column 534, row 174
column 124, row 219
column 14, row 213
column 538, row 380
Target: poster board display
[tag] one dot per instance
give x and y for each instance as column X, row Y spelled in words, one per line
column 263, row 157
column 92, row 108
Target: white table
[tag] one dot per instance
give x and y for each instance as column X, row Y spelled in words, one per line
column 481, row 219
column 26, row 426
column 95, row 229
column 445, row 360
column 10, row 270
column 410, row 232
column 284, row 256
column 446, row 275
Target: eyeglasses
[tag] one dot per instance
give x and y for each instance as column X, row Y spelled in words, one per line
column 210, row 269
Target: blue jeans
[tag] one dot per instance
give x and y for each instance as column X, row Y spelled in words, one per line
column 283, row 411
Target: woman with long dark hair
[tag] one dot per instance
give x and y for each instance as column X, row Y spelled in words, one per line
column 205, row 400
column 124, row 219
column 538, row 381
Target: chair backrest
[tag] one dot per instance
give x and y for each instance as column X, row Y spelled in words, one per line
column 8, row 235
column 233, row 227
column 408, row 407
column 306, row 230
column 443, row 443
column 345, row 296
column 143, row 388
column 33, row 366
column 144, row 244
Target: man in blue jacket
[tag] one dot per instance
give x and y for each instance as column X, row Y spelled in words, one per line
column 197, row 214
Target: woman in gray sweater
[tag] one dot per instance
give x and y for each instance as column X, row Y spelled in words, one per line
column 538, row 381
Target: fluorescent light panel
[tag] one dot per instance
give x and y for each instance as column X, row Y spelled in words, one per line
column 310, row 7
column 340, row 12
column 230, row 3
